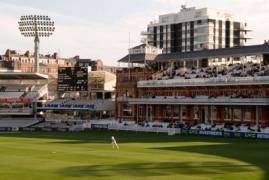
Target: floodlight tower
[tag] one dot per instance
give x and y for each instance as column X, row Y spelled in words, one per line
column 36, row 26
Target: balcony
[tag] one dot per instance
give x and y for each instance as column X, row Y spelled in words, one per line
column 146, row 33
column 6, row 111
column 219, row 81
column 182, row 100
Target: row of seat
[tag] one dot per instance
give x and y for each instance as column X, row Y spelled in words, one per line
column 17, row 123
column 236, row 70
column 9, row 95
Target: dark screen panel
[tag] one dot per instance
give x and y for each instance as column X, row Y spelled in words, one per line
column 73, row 79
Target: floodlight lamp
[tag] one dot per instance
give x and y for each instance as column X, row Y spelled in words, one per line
column 36, row 23
column 36, row 26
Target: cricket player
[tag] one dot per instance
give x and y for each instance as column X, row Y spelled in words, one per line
column 114, row 143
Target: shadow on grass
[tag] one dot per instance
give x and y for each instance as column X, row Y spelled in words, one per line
column 155, row 169
column 252, row 153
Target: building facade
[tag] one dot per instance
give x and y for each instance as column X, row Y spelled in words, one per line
column 48, row 64
column 194, row 29
column 24, row 62
column 231, row 94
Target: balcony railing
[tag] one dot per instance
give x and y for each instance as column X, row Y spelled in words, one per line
column 27, row 111
column 222, row 81
column 196, row 101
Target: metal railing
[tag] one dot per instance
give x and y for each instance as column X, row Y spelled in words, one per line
column 27, row 111
column 196, row 101
column 205, row 81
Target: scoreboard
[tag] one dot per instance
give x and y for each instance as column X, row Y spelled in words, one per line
column 72, row 79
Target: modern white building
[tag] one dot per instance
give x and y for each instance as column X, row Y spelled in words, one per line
column 194, row 29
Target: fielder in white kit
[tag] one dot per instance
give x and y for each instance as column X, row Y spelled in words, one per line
column 114, row 143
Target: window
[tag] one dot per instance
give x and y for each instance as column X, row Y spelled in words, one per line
column 211, row 21
column 201, row 30
column 127, row 110
column 227, row 113
column 201, row 39
column 184, row 112
column 140, row 111
column 168, row 111
column 213, row 113
column 247, row 114
column 176, row 112
column 195, row 113
column 237, row 114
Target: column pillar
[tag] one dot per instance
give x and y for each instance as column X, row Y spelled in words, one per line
column 184, row 64
column 172, row 112
column 232, row 115
column 257, row 117
column 197, row 63
column 146, row 113
column 206, row 114
column 171, row 66
column 180, row 114
column 137, row 113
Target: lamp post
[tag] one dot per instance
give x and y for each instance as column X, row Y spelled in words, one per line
column 36, row 26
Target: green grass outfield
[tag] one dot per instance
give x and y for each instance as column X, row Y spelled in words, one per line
column 89, row 155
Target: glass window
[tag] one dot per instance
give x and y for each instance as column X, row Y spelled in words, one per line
column 195, row 114
column 140, row 111
column 168, row 111
column 201, row 30
column 127, row 110
column 201, row 39
column 227, row 113
column 176, row 112
column 184, row 112
column 213, row 113
column 237, row 114
column 247, row 114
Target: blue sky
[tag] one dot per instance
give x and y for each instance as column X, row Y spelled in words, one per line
column 99, row 29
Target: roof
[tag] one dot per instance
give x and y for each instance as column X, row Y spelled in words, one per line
column 22, row 76
column 85, row 60
column 216, row 53
column 134, row 58
column 139, row 46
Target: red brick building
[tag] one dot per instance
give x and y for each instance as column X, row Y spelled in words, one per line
column 48, row 64
column 182, row 87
